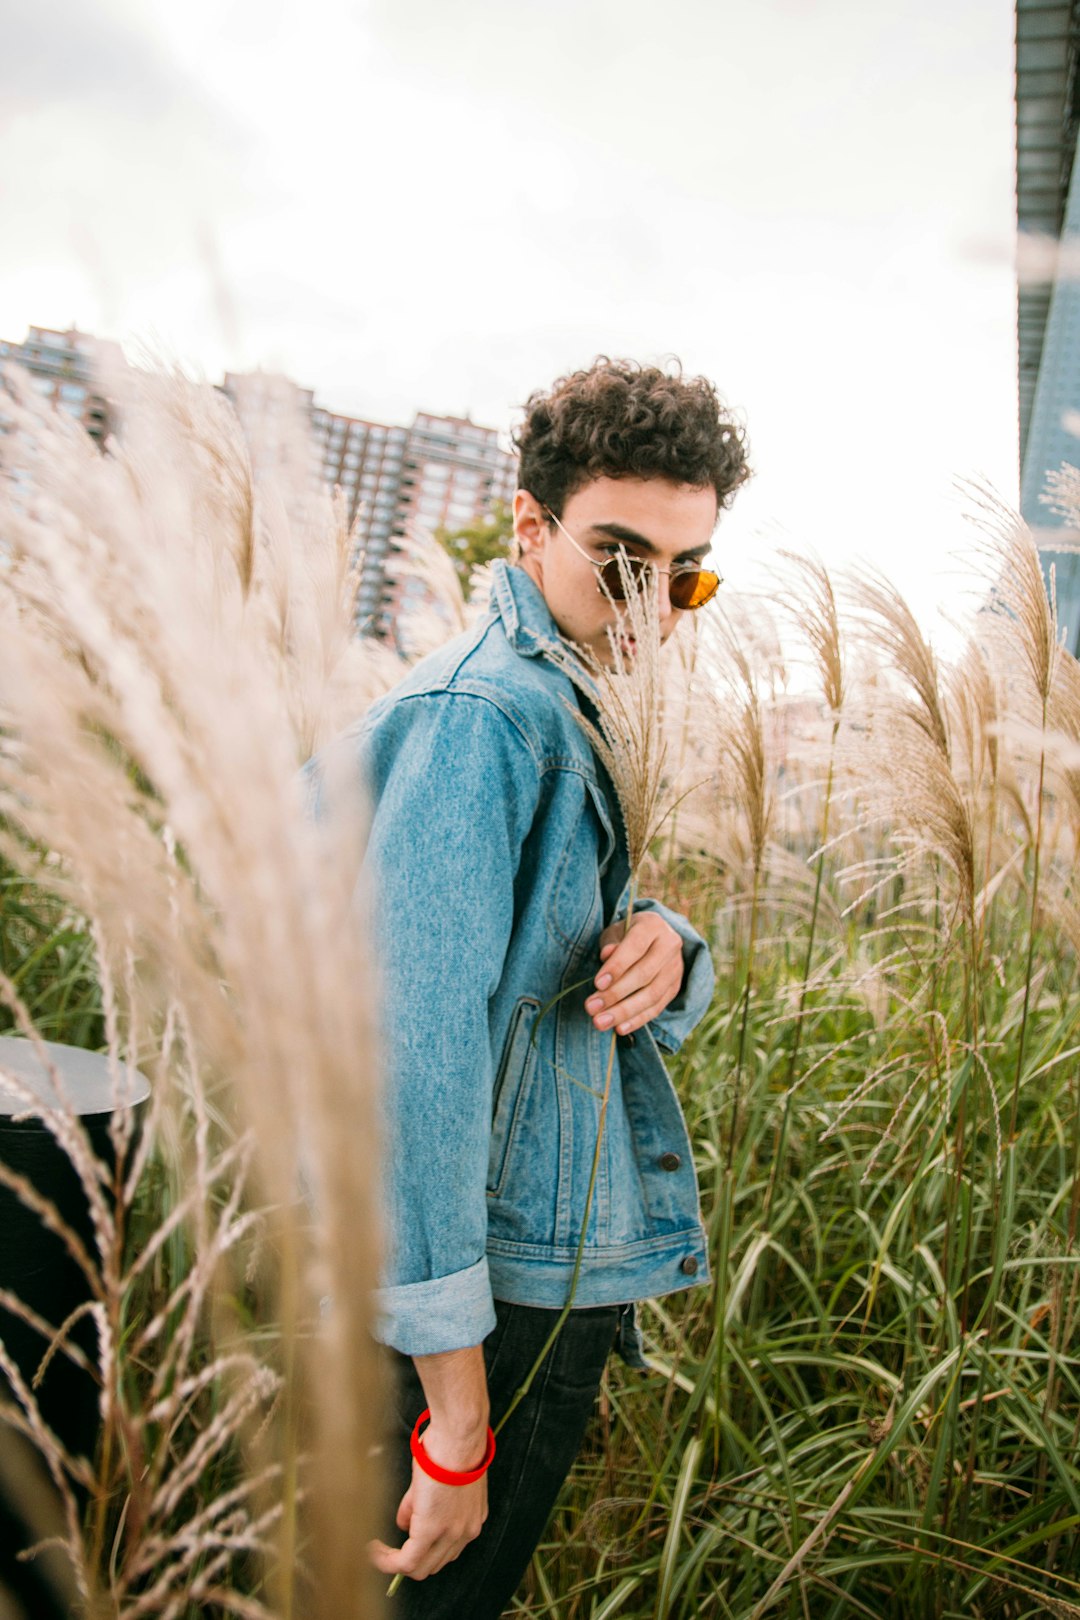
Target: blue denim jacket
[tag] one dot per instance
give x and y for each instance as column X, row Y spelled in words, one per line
column 491, row 841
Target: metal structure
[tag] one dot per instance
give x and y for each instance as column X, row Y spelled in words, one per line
column 1048, row 219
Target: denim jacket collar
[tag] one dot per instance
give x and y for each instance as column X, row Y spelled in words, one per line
column 519, row 602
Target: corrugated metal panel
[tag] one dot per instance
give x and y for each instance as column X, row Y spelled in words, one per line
column 1047, row 116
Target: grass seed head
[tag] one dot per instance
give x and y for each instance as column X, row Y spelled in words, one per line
column 628, row 733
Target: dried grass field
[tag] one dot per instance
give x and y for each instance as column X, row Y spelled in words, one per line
column 874, row 1409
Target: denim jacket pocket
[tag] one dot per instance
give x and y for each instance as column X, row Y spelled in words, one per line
column 512, row 1083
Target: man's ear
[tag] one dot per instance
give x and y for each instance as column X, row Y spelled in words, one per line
column 530, row 528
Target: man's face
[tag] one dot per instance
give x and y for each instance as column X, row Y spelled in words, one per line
column 650, row 518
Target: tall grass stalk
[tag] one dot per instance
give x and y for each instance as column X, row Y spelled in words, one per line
column 557, row 1326
column 622, row 721
column 744, row 755
column 176, row 636
column 811, row 604
column 625, row 695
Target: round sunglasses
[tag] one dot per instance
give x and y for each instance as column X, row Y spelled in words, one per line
column 689, row 586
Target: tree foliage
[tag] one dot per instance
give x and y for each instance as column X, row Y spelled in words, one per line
column 479, row 542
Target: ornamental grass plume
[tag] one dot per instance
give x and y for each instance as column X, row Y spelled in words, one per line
column 434, row 605
column 1029, row 612
column 909, row 781
column 744, row 750
column 1064, row 739
column 1018, row 590
column 907, row 773
column 809, row 601
column 626, row 697
column 176, row 637
column 1062, row 493
column 734, row 665
column 975, row 708
column 728, row 712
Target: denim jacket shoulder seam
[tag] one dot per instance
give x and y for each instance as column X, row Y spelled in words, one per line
column 439, row 692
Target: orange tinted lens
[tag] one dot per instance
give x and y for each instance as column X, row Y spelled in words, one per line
column 612, row 575
column 693, row 587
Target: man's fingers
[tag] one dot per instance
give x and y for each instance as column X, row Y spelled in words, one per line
column 622, row 972
column 657, row 966
column 439, row 1522
column 414, row 1559
column 630, row 949
column 638, row 1010
column 383, row 1557
column 638, row 976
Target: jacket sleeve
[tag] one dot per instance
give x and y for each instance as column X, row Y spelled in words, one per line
column 678, row 1018
column 454, row 787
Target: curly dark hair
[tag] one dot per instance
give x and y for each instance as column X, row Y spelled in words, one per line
column 618, row 419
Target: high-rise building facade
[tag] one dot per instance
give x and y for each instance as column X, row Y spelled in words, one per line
column 443, row 471
column 1048, row 210
column 63, row 368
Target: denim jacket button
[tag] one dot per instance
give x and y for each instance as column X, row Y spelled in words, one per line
column 689, row 1266
column 669, row 1161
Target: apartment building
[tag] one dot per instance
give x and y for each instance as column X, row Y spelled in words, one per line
column 62, row 366
column 398, row 481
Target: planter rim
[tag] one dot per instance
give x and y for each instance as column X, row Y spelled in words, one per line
column 87, row 1080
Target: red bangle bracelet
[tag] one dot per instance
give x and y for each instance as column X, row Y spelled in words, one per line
column 446, row 1476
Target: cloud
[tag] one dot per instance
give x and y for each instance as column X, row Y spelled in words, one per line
column 116, row 165
column 60, row 51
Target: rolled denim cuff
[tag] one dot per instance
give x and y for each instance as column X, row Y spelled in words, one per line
column 445, row 1313
column 678, row 1018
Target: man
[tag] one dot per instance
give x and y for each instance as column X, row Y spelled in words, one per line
column 499, row 869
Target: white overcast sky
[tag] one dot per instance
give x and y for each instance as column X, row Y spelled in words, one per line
column 443, row 204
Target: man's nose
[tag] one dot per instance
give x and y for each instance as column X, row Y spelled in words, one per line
column 663, row 596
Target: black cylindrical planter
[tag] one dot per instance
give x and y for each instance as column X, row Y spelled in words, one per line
column 35, row 1265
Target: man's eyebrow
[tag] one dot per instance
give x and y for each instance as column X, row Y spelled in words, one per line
column 630, row 537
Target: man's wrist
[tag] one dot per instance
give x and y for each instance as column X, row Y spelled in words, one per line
column 455, row 1445
column 455, row 1389
column 460, row 1423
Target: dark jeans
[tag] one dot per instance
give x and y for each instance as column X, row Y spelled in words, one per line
column 533, row 1455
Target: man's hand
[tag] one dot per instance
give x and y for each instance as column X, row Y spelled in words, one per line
column 439, row 1520
column 642, row 973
